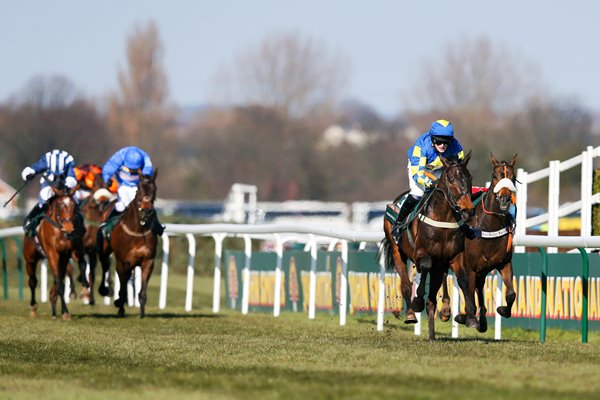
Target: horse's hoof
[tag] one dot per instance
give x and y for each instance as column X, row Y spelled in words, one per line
column 411, row 318
column 103, row 290
column 417, row 304
column 33, row 314
column 461, row 319
column 66, row 317
column 445, row 314
column 504, row 311
column 396, row 314
column 482, row 326
column 121, row 313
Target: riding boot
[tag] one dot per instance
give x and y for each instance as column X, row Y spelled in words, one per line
column 31, row 221
column 405, row 210
column 108, row 224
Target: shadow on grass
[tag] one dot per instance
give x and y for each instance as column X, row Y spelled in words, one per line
column 150, row 316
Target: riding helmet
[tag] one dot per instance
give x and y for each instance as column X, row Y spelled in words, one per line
column 134, row 159
column 442, row 131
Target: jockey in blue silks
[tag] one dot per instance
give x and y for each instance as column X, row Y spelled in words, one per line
column 52, row 164
column 125, row 166
column 424, row 163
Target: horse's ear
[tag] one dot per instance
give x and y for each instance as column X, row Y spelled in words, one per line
column 155, row 174
column 493, row 159
column 467, row 158
column 514, row 160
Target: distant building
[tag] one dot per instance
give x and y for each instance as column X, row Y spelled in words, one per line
column 11, row 208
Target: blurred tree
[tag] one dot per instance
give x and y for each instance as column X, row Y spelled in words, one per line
column 474, row 74
column 253, row 145
column 138, row 112
column 49, row 113
column 286, row 71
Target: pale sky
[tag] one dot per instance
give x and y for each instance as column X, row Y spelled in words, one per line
column 385, row 41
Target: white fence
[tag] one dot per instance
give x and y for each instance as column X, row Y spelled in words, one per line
column 555, row 209
column 313, row 236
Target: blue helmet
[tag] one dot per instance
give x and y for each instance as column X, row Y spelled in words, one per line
column 133, row 159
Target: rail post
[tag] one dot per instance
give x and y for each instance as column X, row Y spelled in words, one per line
column 544, row 288
column 584, row 286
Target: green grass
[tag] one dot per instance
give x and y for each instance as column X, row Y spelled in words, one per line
column 172, row 354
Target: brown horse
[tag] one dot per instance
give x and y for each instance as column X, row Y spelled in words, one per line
column 60, row 235
column 433, row 239
column 133, row 243
column 493, row 249
column 92, row 208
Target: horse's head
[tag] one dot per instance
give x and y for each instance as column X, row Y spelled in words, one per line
column 456, row 183
column 503, row 181
column 63, row 211
column 145, row 197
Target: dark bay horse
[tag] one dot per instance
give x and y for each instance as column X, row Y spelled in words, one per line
column 60, row 234
column 92, row 208
column 132, row 242
column 493, row 249
column 433, row 240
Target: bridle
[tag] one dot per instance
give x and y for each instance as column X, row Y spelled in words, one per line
column 504, row 182
column 450, row 198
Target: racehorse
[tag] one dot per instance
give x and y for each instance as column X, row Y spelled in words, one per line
column 92, row 208
column 60, row 234
column 133, row 243
column 432, row 241
column 493, row 249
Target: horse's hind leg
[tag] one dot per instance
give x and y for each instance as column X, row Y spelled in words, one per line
column 418, row 304
column 91, row 277
column 507, row 278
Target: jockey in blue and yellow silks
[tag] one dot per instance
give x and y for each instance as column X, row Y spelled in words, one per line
column 424, row 164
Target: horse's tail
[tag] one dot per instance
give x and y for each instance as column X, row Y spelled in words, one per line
column 385, row 251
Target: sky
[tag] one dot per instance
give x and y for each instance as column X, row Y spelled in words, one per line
column 385, row 42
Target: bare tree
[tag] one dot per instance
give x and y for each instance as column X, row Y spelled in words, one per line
column 49, row 113
column 139, row 113
column 139, row 110
column 474, row 74
column 287, row 71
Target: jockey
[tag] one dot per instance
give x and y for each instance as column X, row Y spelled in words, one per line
column 86, row 176
column 424, row 164
column 125, row 166
column 52, row 164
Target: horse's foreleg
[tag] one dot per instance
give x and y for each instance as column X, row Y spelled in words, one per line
column 423, row 264
column 91, row 276
column 147, row 268
column 418, row 302
column 104, row 257
column 466, row 281
column 507, row 278
column 31, row 266
column 480, row 282
column 124, row 275
column 445, row 311
column 435, row 281
column 60, row 283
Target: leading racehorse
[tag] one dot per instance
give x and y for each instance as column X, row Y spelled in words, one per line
column 433, row 239
column 133, row 242
column 493, row 248
column 59, row 235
